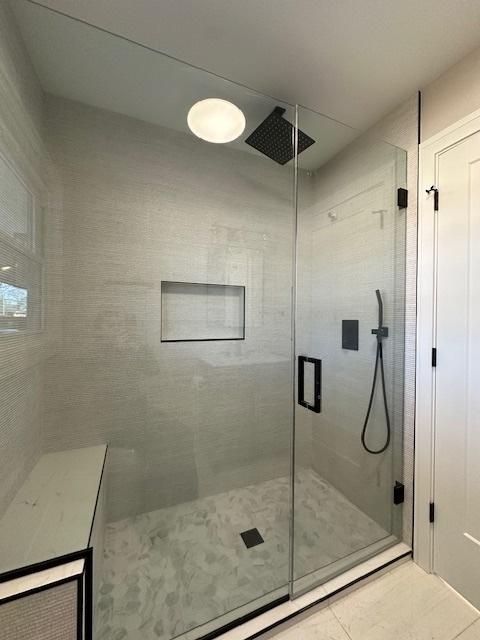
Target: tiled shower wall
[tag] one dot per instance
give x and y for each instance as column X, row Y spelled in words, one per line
column 138, row 204
column 21, row 145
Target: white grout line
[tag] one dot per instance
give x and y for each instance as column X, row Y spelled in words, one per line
column 459, row 595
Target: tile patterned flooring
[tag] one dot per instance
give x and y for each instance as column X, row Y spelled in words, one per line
column 403, row 604
column 168, row 571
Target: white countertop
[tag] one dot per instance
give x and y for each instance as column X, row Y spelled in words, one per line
column 52, row 513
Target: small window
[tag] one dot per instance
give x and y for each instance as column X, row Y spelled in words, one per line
column 20, row 291
column 20, row 254
column 13, row 306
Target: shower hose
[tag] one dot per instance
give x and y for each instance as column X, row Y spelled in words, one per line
column 378, row 360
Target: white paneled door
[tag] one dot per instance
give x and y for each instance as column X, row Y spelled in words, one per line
column 456, row 398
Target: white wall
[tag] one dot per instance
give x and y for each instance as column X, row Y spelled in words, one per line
column 138, row 204
column 452, row 96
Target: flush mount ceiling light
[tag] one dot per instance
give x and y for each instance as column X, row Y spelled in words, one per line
column 216, row 120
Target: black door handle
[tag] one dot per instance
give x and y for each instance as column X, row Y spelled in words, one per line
column 317, row 405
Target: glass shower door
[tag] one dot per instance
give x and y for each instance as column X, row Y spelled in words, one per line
column 349, row 345
column 169, row 269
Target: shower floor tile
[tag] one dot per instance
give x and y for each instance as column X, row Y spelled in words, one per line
column 168, row 571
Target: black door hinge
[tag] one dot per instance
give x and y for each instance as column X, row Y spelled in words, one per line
column 402, row 198
column 398, row 493
column 435, row 196
column 434, row 357
column 431, row 512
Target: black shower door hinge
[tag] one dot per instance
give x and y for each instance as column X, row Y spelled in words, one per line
column 435, row 196
column 434, row 356
column 398, row 493
column 431, row 512
column 402, row 198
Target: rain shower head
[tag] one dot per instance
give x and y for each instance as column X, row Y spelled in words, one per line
column 274, row 138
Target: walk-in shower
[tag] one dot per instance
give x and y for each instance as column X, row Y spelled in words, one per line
column 206, row 312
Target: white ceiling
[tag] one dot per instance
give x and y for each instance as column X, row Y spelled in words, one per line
column 79, row 62
column 353, row 60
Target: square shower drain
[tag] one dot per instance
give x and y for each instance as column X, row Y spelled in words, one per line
column 251, row 538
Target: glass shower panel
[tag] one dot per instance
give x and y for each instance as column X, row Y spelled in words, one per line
column 169, row 301
column 350, row 267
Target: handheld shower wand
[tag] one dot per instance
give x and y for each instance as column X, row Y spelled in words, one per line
column 381, row 333
column 380, row 314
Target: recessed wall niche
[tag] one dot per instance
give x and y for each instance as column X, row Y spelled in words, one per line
column 194, row 312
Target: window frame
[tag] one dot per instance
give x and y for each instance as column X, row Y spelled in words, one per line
column 33, row 253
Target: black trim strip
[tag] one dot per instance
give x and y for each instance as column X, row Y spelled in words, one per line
column 419, row 118
column 291, row 616
column 98, row 496
column 204, row 340
column 245, row 618
column 203, row 284
column 80, row 611
column 41, row 566
column 88, row 603
column 414, row 425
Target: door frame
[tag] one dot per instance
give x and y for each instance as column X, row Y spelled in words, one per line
column 429, row 152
